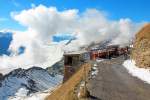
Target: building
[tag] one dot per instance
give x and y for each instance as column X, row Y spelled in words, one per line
column 73, row 61
column 107, row 52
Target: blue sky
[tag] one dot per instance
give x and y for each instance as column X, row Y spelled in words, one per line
column 62, row 37
column 136, row 10
column 5, row 40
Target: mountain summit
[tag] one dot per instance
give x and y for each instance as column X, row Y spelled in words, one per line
column 32, row 80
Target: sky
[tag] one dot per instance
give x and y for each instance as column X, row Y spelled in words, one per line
column 38, row 32
column 137, row 10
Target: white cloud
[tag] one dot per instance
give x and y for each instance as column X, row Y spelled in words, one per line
column 43, row 22
column 47, row 21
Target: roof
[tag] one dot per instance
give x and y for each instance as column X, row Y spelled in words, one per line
column 76, row 52
column 112, row 46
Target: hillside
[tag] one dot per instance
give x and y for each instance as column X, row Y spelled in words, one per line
column 31, row 80
column 67, row 90
column 141, row 50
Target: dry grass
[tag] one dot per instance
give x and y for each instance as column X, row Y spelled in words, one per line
column 66, row 91
column 141, row 51
column 144, row 33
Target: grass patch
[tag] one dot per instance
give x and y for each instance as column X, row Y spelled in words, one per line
column 67, row 90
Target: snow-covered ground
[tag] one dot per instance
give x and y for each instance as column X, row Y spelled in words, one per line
column 141, row 73
column 36, row 96
column 22, row 95
column 94, row 70
column 99, row 60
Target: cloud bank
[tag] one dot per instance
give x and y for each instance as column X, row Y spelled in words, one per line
column 43, row 22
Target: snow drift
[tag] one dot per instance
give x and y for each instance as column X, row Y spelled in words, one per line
column 141, row 73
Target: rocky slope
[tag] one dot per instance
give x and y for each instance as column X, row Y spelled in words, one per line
column 141, row 50
column 32, row 80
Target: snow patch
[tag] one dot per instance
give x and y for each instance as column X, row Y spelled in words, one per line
column 95, row 65
column 141, row 73
column 99, row 60
column 22, row 94
column 94, row 71
column 36, row 96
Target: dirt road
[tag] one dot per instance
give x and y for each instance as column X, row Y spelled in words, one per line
column 114, row 83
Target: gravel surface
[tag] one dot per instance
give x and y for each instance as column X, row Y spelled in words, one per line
column 113, row 82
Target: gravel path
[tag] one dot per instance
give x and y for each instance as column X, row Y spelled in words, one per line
column 113, row 82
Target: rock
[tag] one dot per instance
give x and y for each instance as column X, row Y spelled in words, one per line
column 1, row 76
column 83, row 93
